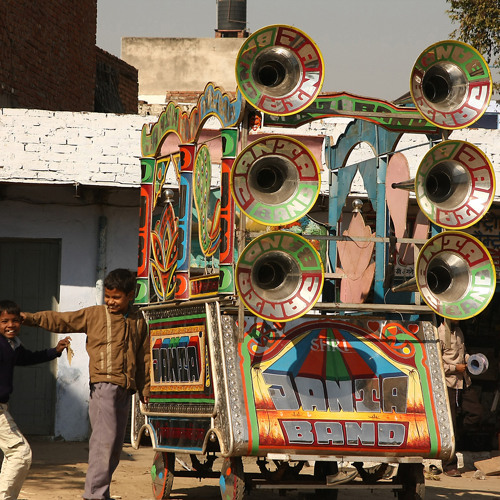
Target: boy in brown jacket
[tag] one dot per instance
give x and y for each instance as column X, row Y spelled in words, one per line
column 118, row 349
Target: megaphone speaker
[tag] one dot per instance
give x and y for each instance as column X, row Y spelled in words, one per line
column 279, row 70
column 451, row 84
column 455, row 184
column 279, row 276
column 455, row 275
column 275, row 180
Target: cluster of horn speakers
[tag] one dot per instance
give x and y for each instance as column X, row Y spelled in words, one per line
column 276, row 179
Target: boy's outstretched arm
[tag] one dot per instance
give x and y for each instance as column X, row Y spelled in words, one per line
column 59, row 322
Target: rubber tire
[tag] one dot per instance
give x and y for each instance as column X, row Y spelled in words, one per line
column 411, row 476
column 232, row 479
column 162, row 474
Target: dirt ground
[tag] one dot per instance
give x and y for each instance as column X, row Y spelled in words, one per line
column 58, row 473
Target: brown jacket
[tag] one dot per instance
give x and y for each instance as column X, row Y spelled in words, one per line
column 118, row 347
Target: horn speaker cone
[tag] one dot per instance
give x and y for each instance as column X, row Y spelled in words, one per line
column 455, row 275
column 279, row 276
column 275, row 180
column 279, row 70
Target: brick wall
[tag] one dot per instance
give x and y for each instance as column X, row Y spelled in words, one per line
column 117, row 84
column 47, row 54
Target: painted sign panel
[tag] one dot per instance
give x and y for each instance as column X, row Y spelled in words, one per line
column 180, row 360
column 339, row 388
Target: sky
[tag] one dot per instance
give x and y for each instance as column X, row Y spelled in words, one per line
column 368, row 46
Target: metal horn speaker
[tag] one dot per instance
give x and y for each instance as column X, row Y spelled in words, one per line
column 275, row 180
column 279, row 276
column 279, row 70
column 451, row 84
column 454, row 184
column 455, row 275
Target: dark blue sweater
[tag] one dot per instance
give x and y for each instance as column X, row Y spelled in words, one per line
column 20, row 356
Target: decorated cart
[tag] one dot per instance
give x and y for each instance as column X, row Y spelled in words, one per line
column 285, row 315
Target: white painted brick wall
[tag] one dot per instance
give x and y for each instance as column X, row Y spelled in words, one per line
column 64, row 147
column 103, row 149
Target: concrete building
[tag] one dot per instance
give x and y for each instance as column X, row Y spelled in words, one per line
column 69, row 185
column 180, row 67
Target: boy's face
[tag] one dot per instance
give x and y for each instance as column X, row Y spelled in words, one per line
column 10, row 324
column 117, row 301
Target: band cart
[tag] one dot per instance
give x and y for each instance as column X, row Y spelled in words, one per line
column 285, row 320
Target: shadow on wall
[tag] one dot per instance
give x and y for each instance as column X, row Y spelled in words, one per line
column 72, row 420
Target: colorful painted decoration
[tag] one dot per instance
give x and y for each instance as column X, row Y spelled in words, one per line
column 163, row 262
column 356, row 262
column 188, row 154
column 343, row 104
column 187, row 125
column 162, row 474
column 208, row 223
column 339, row 386
column 162, row 167
column 232, row 479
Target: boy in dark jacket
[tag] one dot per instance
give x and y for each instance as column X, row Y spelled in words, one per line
column 118, row 349
column 16, row 450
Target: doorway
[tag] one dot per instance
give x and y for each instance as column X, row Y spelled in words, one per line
column 30, row 271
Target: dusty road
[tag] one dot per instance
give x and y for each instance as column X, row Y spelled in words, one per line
column 58, row 473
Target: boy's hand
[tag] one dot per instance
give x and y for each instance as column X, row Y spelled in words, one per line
column 63, row 344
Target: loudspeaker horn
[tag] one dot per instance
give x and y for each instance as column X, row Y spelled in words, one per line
column 455, row 275
column 279, row 276
column 275, row 180
column 279, row 70
column 454, row 184
column 451, row 84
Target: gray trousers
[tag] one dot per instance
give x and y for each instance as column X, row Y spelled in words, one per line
column 109, row 407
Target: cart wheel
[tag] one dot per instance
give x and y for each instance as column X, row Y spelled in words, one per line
column 162, row 474
column 411, row 476
column 321, row 470
column 232, row 479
